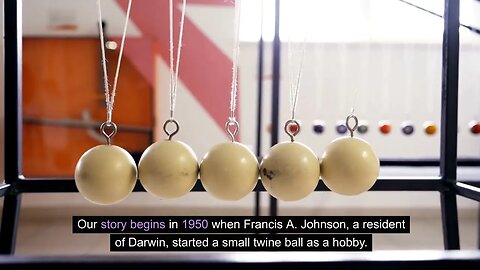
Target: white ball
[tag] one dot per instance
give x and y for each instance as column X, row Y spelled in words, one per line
column 168, row 169
column 106, row 174
column 349, row 166
column 229, row 171
column 290, row 171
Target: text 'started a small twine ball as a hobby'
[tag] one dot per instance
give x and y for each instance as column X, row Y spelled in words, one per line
column 349, row 166
column 229, row 171
column 106, row 174
column 168, row 169
column 290, row 171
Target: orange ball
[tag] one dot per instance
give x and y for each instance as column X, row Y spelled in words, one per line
column 430, row 128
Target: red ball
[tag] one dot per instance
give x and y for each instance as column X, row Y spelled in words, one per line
column 293, row 128
column 385, row 128
column 475, row 127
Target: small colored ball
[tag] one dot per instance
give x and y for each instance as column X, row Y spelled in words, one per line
column 292, row 128
column 105, row 174
column 290, row 171
column 474, row 127
column 430, row 128
column 341, row 128
column 349, row 166
column 362, row 127
column 385, row 127
column 408, row 128
column 318, row 127
column 168, row 169
column 229, row 171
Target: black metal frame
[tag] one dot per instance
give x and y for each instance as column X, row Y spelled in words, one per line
column 446, row 184
column 274, row 260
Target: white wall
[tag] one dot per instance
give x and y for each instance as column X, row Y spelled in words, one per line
column 395, row 82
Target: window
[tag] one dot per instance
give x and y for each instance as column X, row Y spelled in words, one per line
column 351, row 20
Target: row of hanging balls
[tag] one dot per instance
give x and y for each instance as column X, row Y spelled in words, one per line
column 290, row 171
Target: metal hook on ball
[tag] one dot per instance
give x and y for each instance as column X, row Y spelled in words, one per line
column 165, row 128
column 232, row 122
column 347, row 123
column 106, row 134
column 291, row 134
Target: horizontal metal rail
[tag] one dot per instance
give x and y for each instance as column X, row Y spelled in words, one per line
column 3, row 189
column 468, row 190
column 58, row 185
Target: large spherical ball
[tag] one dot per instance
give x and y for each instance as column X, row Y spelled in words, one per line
column 168, row 169
column 229, row 171
column 349, row 166
column 290, row 171
column 106, row 174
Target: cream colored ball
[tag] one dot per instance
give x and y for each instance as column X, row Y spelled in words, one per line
column 349, row 166
column 106, row 174
column 290, row 171
column 229, row 171
column 168, row 169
